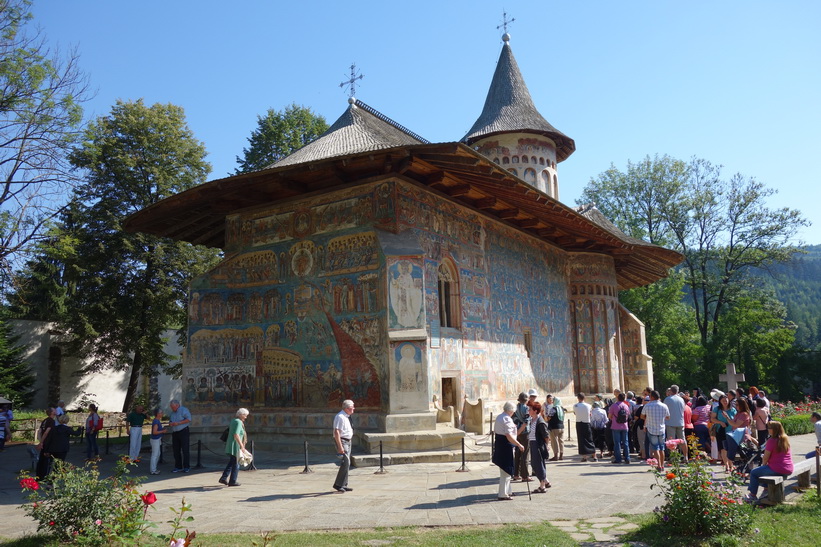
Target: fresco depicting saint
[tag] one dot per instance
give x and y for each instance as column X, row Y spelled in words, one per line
column 406, row 295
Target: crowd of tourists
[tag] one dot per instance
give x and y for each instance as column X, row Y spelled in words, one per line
column 732, row 429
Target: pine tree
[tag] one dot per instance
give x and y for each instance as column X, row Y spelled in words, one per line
column 16, row 378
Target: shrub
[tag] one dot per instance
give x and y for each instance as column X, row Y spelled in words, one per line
column 797, row 424
column 78, row 505
column 696, row 502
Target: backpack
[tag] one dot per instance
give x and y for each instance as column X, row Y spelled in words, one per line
column 99, row 426
column 224, row 435
column 621, row 416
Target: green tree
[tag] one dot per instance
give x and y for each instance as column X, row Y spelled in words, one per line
column 16, row 378
column 40, row 118
column 723, row 228
column 125, row 289
column 278, row 134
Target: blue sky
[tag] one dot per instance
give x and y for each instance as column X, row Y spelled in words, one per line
column 735, row 82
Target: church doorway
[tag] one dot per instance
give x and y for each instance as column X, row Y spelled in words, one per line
column 449, row 392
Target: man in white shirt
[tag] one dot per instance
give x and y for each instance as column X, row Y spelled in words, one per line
column 583, row 432
column 343, row 432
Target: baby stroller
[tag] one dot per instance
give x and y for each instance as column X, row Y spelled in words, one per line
column 748, row 456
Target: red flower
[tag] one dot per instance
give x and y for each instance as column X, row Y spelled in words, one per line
column 671, row 476
column 29, row 484
column 51, row 523
column 149, row 498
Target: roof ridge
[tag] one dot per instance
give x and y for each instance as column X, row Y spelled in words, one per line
column 374, row 112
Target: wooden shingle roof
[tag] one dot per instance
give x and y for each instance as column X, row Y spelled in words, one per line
column 510, row 109
column 360, row 128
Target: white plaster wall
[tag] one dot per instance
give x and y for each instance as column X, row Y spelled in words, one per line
column 107, row 388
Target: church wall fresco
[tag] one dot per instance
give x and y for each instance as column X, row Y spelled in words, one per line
column 295, row 316
column 508, row 282
column 594, row 296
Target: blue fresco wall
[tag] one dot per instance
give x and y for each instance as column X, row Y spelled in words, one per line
column 295, row 316
column 509, row 283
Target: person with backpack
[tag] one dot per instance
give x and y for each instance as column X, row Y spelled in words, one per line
column 94, row 424
column 554, row 414
column 619, row 424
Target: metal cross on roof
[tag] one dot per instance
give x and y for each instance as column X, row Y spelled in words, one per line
column 505, row 22
column 351, row 83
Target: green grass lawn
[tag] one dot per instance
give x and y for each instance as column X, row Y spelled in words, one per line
column 523, row 534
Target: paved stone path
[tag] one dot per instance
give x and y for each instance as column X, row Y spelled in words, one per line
column 278, row 497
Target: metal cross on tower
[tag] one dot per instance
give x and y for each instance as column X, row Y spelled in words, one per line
column 351, row 83
column 505, row 22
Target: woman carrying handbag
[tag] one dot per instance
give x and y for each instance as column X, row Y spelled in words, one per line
column 234, row 447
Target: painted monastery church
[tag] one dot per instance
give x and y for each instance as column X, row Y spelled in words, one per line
column 377, row 266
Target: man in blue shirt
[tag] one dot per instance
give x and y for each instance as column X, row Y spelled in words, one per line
column 675, row 425
column 180, row 434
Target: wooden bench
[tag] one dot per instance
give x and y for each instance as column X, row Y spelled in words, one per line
column 802, row 470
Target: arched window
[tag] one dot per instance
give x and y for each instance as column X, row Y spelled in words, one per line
column 450, row 310
column 533, row 159
column 515, row 159
column 505, row 160
column 541, row 161
column 524, row 159
column 530, row 175
column 495, row 160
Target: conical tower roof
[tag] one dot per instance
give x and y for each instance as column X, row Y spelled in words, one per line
column 510, row 109
column 360, row 128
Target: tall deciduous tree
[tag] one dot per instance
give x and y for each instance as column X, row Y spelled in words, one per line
column 40, row 117
column 278, row 134
column 723, row 227
column 126, row 289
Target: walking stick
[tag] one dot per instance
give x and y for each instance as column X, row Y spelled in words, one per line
column 527, row 482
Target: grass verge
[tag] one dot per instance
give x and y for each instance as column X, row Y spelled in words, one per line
column 519, row 534
column 787, row 524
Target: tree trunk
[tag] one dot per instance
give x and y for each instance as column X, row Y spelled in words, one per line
column 133, row 382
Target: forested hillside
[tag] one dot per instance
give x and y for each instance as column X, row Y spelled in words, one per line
column 798, row 285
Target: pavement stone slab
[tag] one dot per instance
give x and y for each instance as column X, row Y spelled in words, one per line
column 279, row 498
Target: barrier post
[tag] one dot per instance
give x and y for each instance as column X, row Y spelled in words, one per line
column 492, row 436
column 199, row 454
column 307, row 469
column 106, row 443
column 252, row 467
column 464, row 468
column 381, row 470
column 569, row 438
